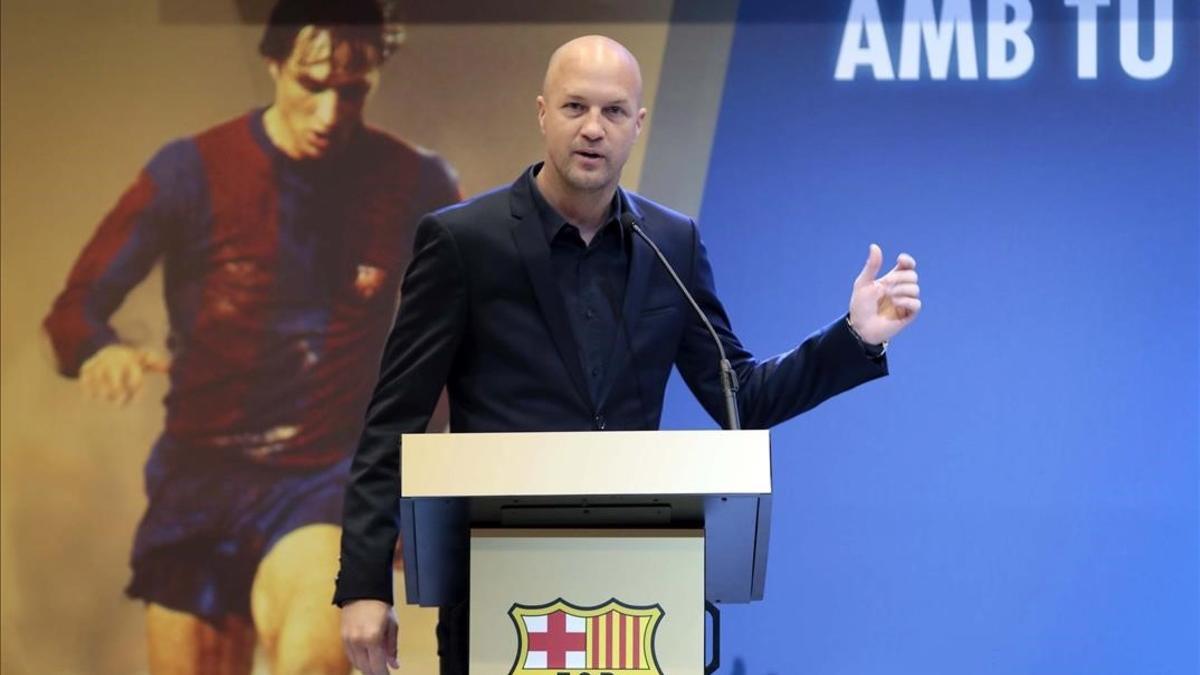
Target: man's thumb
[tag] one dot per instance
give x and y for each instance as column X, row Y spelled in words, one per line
column 871, row 269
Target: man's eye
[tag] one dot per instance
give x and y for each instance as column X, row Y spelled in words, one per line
column 615, row 110
column 574, row 106
column 312, row 87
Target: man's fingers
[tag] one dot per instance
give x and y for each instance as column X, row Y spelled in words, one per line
column 905, row 290
column 905, row 261
column 913, row 305
column 899, row 276
column 358, row 657
column 367, row 666
column 109, row 382
column 131, row 383
column 153, row 361
column 871, row 269
column 367, row 654
column 122, row 379
column 376, row 661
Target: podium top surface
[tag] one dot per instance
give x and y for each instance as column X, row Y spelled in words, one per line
column 586, row 463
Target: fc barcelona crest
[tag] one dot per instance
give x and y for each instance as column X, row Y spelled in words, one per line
column 564, row 639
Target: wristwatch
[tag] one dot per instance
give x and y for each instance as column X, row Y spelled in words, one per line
column 872, row 351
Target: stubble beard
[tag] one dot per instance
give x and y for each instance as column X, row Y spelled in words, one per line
column 587, row 181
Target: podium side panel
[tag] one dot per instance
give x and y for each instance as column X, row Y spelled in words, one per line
column 408, row 546
column 729, row 541
column 761, row 535
column 442, row 550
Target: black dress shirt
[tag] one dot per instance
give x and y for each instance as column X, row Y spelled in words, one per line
column 591, row 278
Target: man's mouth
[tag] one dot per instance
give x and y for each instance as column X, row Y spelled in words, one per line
column 588, row 154
column 321, row 138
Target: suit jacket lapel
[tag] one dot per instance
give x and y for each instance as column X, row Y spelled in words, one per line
column 530, row 238
column 641, row 260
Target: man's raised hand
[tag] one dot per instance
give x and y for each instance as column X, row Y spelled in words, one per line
column 880, row 308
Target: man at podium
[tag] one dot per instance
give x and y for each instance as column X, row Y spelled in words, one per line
column 542, row 306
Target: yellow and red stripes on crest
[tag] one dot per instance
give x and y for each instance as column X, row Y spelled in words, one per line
column 617, row 640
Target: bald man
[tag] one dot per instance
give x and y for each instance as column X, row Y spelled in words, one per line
column 540, row 312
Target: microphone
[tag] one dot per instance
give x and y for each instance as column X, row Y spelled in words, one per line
column 729, row 381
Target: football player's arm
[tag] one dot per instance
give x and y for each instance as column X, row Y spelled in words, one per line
column 119, row 255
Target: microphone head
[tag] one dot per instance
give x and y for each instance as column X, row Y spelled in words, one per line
column 628, row 222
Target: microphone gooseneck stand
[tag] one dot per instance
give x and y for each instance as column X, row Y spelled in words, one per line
column 729, row 381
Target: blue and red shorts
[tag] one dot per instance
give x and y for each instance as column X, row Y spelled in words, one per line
column 209, row 524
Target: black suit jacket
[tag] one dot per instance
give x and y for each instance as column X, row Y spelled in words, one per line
column 481, row 313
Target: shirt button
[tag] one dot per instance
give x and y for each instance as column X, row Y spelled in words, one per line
column 595, row 372
column 600, row 422
column 589, row 314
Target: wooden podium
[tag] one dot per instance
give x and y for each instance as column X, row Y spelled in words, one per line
column 586, row 552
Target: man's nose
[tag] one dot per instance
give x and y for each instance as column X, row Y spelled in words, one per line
column 593, row 127
column 327, row 109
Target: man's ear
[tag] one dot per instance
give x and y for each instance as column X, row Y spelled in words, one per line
column 541, row 114
column 641, row 119
column 273, row 68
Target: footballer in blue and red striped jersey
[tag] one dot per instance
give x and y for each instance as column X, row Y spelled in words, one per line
column 280, row 276
column 283, row 236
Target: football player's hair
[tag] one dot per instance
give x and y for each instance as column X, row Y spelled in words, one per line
column 359, row 23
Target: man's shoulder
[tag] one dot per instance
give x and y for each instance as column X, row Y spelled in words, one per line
column 181, row 167
column 219, row 139
column 659, row 213
column 229, row 140
column 182, row 157
column 666, row 226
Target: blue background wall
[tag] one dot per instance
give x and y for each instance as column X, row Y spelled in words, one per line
column 1021, row 495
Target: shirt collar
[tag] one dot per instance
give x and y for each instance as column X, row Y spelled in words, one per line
column 553, row 221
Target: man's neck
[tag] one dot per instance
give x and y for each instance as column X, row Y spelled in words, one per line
column 278, row 133
column 588, row 211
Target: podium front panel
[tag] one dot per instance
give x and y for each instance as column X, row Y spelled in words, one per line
column 596, row 601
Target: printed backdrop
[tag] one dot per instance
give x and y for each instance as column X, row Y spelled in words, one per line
column 1021, row 495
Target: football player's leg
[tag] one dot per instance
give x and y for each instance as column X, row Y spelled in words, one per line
column 290, row 600
column 182, row 644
